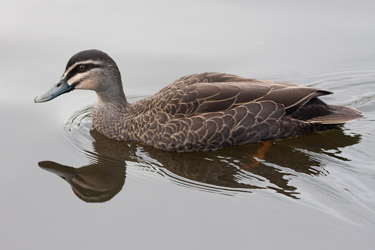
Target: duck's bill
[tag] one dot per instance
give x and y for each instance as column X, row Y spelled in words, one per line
column 60, row 88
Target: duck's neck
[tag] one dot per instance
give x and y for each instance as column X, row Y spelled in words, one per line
column 112, row 96
column 109, row 112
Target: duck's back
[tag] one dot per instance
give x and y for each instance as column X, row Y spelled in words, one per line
column 212, row 110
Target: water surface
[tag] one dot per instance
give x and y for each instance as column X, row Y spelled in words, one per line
column 65, row 185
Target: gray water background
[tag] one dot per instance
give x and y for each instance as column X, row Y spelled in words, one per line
column 311, row 192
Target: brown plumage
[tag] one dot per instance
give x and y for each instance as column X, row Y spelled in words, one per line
column 201, row 111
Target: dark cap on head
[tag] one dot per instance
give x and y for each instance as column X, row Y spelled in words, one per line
column 91, row 54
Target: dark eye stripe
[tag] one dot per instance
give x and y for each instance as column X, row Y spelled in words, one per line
column 89, row 66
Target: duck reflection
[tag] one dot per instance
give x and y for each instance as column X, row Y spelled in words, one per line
column 97, row 182
column 267, row 165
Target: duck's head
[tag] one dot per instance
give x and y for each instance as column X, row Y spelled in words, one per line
column 89, row 69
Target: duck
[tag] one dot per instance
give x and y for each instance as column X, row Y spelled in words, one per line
column 198, row 112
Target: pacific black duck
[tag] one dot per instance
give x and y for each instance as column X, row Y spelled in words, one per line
column 198, row 112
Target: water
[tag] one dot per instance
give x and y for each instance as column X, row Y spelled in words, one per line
column 309, row 192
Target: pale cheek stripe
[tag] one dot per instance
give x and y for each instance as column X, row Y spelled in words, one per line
column 81, row 76
column 76, row 78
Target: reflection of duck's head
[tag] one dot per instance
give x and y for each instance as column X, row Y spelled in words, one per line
column 97, row 182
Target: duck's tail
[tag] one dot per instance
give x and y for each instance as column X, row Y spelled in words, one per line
column 337, row 115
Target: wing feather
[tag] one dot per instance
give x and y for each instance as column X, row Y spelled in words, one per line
column 213, row 92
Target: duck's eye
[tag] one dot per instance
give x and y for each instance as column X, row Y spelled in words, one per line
column 81, row 68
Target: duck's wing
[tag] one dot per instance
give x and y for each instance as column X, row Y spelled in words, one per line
column 213, row 92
